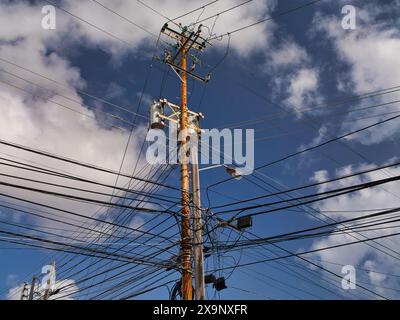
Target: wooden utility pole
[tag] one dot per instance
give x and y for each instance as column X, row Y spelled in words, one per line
column 187, row 41
column 49, row 281
column 186, row 246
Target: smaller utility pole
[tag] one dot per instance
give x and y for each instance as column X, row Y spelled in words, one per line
column 198, row 258
column 24, row 291
column 164, row 111
column 32, row 291
column 49, row 281
column 198, row 269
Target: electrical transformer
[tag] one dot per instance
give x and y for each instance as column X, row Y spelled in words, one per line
column 156, row 110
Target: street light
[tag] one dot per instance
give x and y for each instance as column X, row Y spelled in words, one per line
column 235, row 173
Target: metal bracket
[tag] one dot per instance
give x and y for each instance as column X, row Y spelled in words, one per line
column 205, row 80
column 173, row 69
column 178, row 36
column 188, row 42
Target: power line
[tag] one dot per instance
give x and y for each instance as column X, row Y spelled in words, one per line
column 155, row 11
column 194, row 10
column 311, row 185
column 83, row 199
column 315, row 250
column 114, row 268
column 300, row 255
column 224, row 11
column 327, row 195
column 95, row 26
column 52, row 173
column 271, row 17
column 311, row 121
column 74, row 213
column 60, row 104
column 85, row 93
column 126, row 19
column 276, row 115
column 95, row 251
column 138, row 107
column 317, row 216
column 328, row 225
column 111, row 115
column 75, row 162
column 316, row 146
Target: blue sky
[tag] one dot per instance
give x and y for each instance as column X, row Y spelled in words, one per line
column 272, row 75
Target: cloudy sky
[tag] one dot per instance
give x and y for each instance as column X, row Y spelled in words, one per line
column 290, row 78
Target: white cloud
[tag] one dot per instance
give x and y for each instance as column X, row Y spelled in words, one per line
column 360, row 255
column 371, row 53
column 114, row 90
column 15, row 293
column 294, row 75
column 244, row 43
column 11, row 280
column 302, row 91
column 288, row 54
column 38, row 123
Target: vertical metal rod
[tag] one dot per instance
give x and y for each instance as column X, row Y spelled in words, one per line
column 186, row 246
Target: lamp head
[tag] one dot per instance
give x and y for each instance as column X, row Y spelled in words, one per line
column 233, row 172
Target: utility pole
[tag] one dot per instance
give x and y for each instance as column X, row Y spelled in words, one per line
column 49, row 281
column 186, row 40
column 32, row 291
column 198, row 258
column 24, row 291
column 186, row 246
